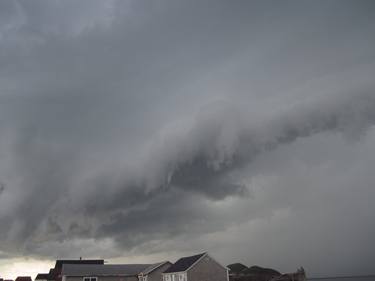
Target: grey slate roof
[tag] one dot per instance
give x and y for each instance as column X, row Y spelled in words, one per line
column 184, row 263
column 103, row 269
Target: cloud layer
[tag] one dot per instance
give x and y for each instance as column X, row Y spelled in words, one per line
column 158, row 129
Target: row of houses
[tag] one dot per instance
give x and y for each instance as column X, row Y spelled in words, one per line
column 240, row 272
column 201, row 267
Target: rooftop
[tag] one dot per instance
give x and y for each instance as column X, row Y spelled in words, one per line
column 184, row 263
column 103, row 269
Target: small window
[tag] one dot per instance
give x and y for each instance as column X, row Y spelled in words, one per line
column 90, row 278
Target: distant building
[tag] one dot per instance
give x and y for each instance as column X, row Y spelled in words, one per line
column 196, row 268
column 235, row 269
column 113, row 272
column 23, row 278
column 42, row 277
column 299, row 275
column 55, row 273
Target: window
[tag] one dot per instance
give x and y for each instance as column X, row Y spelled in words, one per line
column 167, row 278
column 181, row 277
column 90, row 278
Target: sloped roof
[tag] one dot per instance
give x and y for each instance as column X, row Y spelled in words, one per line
column 59, row 263
column 103, row 269
column 42, row 276
column 236, row 267
column 52, row 275
column 153, row 267
column 184, row 263
column 23, row 278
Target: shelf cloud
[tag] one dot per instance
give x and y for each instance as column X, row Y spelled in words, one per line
column 141, row 129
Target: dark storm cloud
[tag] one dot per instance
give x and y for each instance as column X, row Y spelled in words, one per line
column 134, row 123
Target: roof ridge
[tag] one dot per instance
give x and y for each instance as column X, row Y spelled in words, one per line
column 185, row 263
column 154, row 266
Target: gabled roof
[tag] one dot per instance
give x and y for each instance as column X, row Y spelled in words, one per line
column 184, row 263
column 42, row 276
column 236, row 267
column 153, row 267
column 103, row 269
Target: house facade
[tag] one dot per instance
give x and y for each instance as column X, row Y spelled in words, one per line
column 119, row 272
column 200, row 267
column 54, row 274
column 154, row 272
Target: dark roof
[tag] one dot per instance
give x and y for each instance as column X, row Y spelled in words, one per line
column 42, row 276
column 59, row 263
column 23, row 278
column 52, row 275
column 260, row 270
column 236, row 267
column 184, row 263
column 103, row 269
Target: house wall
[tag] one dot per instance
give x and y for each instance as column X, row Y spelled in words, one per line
column 207, row 270
column 104, row 278
column 180, row 276
column 156, row 274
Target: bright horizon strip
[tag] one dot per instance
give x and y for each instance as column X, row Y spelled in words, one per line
column 12, row 268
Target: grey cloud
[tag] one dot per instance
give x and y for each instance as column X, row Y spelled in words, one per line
column 113, row 133
column 134, row 210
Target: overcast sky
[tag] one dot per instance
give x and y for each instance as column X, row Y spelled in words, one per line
column 137, row 131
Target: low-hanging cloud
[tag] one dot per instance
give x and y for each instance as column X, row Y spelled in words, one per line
column 201, row 160
column 131, row 127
